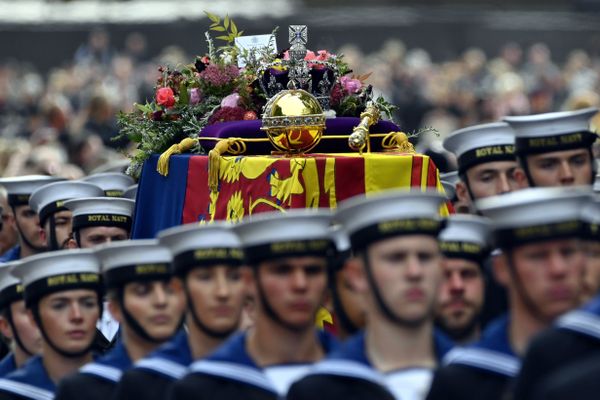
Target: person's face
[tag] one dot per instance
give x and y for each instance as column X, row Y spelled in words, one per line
column 492, row 178
column 461, row 294
column 63, row 226
column 591, row 277
column 29, row 222
column 26, row 329
column 8, row 233
column 93, row 236
column 155, row 305
column 351, row 301
column 407, row 273
column 217, row 294
column 294, row 287
column 69, row 318
column 561, row 168
column 551, row 274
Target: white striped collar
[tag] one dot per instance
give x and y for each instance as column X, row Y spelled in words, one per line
column 485, row 359
column 162, row 366
column 234, row 371
column 25, row 390
column 103, row 371
column 581, row 321
column 348, row 368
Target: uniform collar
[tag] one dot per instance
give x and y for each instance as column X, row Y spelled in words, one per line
column 12, row 254
column 585, row 320
column 30, row 382
column 355, row 348
column 7, row 365
column 171, row 359
column 492, row 352
column 111, row 366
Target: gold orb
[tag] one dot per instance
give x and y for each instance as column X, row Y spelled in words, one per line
column 294, row 121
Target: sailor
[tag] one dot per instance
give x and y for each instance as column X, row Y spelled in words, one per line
column 131, row 192
column 63, row 294
column 465, row 243
column 94, row 221
column 98, row 220
column 289, row 254
column 538, row 231
column 114, row 184
column 397, row 269
column 486, row 161
column 19, row 190
column 9, row 235
column 15, row 324
column 207, row 261
column 576, row 335
column 137, row 277
column 555, row 149
column 55, row 219
column 349, row 312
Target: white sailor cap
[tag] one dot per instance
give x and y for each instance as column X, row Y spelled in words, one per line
column 342, row 245
column 194, row 245
column 535, row 214
column 131, row 192
column 11, row 289
column 20, row 188
column 556, row 131
column 101, row 211
column 590, row 214
column 294, row 233
column 133, row 261
column 391, row 213
column 481, row 143
column 449, row 189
column 114, row 184
column 451, row 177
column 597, row 184
column 466, row 236
column 49, row 199
column 58, row 271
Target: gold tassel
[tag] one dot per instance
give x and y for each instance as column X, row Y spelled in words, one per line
column 229, row 145
column 163, row 161
column 397, row 141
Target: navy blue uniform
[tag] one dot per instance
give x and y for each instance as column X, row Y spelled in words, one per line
column 575, row 336
column 348, row 373
column 484, row 370
column 30, row 382
column 151, row 377
column 96, row 380
column 230, row 373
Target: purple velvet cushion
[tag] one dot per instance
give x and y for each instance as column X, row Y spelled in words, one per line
column 334, row 126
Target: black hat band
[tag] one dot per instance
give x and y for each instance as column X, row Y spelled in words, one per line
column 122, row 275
column 547, row 144
column 50, row 209
column 58, row 283
column 387, row 229
column 486, row 154
column 16, row 200
column 512, row 237
column 207, row 257
column 10, row 294
column 89, row 220
column 290, row 248
column 466, row 250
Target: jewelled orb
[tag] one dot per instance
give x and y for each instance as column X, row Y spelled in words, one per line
column 294, row 121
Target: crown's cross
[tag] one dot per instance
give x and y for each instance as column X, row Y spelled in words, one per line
column 298, row 69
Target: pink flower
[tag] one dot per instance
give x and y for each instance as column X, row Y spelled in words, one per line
column 323, row 55
column 195, row 96
column 350, row 85
column 165, row 97
column 231, row 101
column 219, row 76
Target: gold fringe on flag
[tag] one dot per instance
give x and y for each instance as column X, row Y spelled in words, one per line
column 163, row 161
column 230, row 145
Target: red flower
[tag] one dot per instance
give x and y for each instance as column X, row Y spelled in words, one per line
column 225, row 114
column 165, row 97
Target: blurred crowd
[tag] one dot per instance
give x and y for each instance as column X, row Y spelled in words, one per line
column 63, row 122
